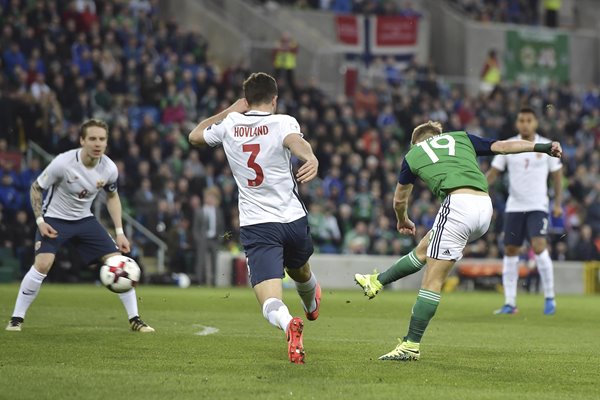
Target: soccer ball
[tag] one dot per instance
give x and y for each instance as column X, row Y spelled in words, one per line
column 120, row 274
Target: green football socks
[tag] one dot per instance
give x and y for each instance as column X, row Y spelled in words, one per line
column 422, row 312
column 406, row 265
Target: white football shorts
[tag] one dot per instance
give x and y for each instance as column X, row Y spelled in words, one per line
column 462, row 218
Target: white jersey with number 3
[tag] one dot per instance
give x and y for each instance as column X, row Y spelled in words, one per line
column 527, row 177
column 261, row 165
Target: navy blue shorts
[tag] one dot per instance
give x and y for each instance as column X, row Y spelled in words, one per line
column 519, row 226
column 87, row 235
column 271, row 246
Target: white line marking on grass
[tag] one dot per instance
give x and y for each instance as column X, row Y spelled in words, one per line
column 205, row 330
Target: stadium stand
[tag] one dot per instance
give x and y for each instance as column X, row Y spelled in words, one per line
column 63, row 62
column 378, row 7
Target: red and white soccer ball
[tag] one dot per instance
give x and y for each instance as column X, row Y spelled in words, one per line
column 120, row 274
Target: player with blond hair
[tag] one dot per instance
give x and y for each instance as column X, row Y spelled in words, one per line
column 73, row 180
column 447, row 163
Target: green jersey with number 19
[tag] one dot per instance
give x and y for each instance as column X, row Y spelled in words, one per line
column 446, row 162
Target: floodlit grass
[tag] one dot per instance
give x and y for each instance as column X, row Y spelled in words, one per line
column 75, row 344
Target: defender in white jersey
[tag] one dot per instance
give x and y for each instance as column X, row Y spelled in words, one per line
column 526, row 215
column 273, row 220
column 73, row 180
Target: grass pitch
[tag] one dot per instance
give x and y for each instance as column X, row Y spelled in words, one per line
column 76, row 344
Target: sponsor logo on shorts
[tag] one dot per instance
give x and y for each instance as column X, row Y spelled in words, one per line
column 446, row 252
column 38, row 244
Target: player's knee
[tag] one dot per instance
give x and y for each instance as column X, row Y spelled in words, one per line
column 105, row 257
column 512, row 251
column 43, row 264
column 301, row 274
column 421, row 249
column 43, row 267
column 538, row 245
column 433, row 284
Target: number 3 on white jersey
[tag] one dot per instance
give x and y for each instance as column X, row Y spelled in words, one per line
column 254, row 149
column 435, row 143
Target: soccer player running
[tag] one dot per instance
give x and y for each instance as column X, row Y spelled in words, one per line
column 447, row 163
column 273, row 220
column 526, row 214
column 73, row 180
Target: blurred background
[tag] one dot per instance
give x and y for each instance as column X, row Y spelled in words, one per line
column 357, row 74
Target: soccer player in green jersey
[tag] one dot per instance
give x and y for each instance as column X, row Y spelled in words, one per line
column 447, row 163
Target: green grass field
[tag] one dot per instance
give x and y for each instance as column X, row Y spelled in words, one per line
column 76, row 344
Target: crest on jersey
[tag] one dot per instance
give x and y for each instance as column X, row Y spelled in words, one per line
column 539, row 155
column 100, row 184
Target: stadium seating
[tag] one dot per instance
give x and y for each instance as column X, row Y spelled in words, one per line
column 147, row 61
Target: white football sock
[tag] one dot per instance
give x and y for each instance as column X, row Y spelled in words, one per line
column 306, row 291
column 30, row 287
column 544, row 265
column 129, row 300
column 510, row 277
column 277, row 313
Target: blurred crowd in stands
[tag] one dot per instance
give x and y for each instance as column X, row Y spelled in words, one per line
column 510, row 11
column 64, row 62
column 526, row 12
column 378, row 7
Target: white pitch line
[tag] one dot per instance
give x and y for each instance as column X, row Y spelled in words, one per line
column 206, row 330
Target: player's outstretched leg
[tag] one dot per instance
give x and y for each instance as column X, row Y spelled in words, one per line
column 28, row 291
column 404, row 266
column 369, row 283
column 129, row 300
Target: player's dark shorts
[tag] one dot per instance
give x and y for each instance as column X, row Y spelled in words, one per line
column 519, row 226
column 271, row 246
column 90, row 239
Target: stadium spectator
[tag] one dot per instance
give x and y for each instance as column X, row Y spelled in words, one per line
column 22, row 235
column 181, row 247
column 209, row 228
column 285, row 55
column 490, row 73
column 513, row 11
column 551, row 9
column 585, row 249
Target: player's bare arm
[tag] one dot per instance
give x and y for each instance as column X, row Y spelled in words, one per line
column 36, row 196
column 557, row 177
column 405, row 226
column 113, row 204
column 523, row 146
column 492, row 175
column 196, row 136
column 301, row 149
